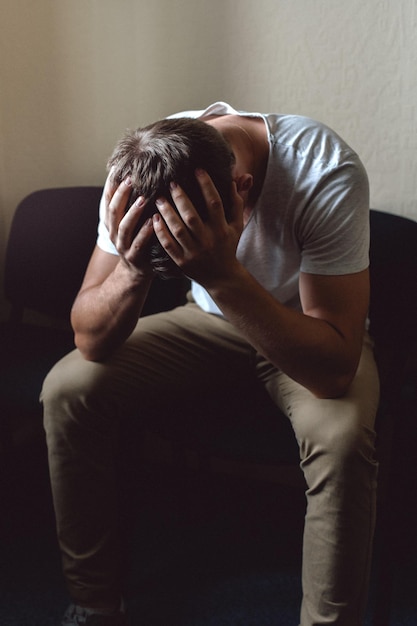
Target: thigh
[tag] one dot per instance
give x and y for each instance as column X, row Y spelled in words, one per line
column 185, row 350
column 172, row 360
column 329, row 423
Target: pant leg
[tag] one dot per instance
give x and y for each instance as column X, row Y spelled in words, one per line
column 336, row 439
column 170, row 357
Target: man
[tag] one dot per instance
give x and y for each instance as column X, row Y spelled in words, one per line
column 280, row 291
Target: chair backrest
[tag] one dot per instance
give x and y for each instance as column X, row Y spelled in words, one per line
column 51, row 239
column 54, row 231
column 52, row 236
column 393, row 306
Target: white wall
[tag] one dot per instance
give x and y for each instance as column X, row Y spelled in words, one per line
column 351, row 64
column 75, row 73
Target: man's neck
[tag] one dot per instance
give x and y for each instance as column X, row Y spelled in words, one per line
column 249, row 140
column 258, row 145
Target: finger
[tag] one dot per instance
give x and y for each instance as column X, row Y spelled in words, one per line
column 212, row 197
column 110, row 185
column 116, row 208
column 132, row 225
column 165, row 237
column 183, row 221
column 109, row 188
column 187, row 211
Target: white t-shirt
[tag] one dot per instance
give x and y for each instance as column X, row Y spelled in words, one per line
column 312, row 214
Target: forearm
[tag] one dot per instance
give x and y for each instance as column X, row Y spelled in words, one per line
column 319, row 347
column 309, row 350
column 103, row 316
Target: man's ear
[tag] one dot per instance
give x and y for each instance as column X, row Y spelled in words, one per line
column 244, row 183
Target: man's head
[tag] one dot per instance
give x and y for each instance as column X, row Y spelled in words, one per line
column 171, row 150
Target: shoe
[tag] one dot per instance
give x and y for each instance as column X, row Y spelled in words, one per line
column 77, row 615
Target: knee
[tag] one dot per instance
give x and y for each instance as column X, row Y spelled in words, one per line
column 70, row 382
column 340, row 457
column 340, row 437
column 61, row 379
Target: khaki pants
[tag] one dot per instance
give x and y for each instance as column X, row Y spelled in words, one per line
column 173, row 363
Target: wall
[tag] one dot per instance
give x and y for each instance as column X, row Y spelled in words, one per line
column 349, row 64
column 75, row 73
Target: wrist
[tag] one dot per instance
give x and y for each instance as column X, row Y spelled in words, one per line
column 132, row 276
column 226, row 281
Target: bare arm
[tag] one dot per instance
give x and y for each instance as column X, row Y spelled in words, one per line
column 115, row 288
column 319, row 347
column 107, row 306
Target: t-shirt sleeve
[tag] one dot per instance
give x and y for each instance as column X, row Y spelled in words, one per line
column 103, row 239
column 333, row 230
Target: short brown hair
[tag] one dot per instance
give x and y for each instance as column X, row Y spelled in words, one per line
column 171, row 150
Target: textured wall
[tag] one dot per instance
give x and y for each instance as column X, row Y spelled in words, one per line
column 349, row 64
column 75, row 73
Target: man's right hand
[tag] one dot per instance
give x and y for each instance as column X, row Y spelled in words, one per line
column 121, row 222
column 115, row 287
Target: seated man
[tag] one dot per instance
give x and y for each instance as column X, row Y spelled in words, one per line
column 268, row 216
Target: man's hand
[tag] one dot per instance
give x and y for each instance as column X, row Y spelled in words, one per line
column 132, row 246
column 205, row 251
column 115, row 288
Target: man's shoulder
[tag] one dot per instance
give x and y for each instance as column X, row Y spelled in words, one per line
column 307, row 136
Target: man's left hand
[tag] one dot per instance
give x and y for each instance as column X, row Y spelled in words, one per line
column 205, row 251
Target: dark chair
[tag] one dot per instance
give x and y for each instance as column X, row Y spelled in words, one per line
column 51, row 239
column 52, row 236
column 393, row 325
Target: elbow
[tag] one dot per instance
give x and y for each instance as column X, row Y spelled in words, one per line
column 89, row 350
column 335, row 379
column 331, row 392
column 334, row 387
column 96, row 357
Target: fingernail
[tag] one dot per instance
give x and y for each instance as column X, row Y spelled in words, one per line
column 199, row 171
column 156, row 217
column 173, row 185
column 159, row 202
column 128, row 181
